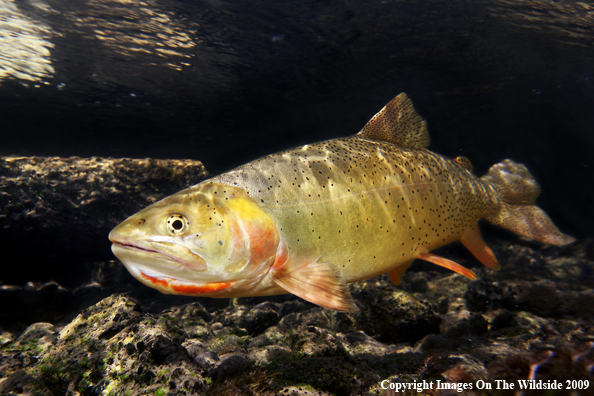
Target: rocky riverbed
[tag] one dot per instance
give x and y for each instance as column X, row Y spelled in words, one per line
column 533, row 315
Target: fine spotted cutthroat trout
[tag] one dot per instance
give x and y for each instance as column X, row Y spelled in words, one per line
column 310, row 220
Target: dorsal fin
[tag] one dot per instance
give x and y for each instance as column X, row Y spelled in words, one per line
column 464, row 162
column 399, row 123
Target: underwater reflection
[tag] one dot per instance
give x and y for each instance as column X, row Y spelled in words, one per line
column 137, row 29
column 24, row 47
column 567, row 23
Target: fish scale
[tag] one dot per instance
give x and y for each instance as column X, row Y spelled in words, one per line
column 387, row 198
column 310, row 220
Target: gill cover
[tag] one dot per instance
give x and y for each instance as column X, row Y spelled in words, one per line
column 227, row 229
column 223, row 226
column 253, row 236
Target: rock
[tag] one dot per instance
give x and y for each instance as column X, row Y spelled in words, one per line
column 482, row 295
column 302, row 391
column 577, row 304
column 458, row 324
column 434, row 343
column 392, row 315
column 254, row 320
column 542, row 297
column 19, row 383
column 312, row 341
column 38, row 331
column 115, row 336
column 500, row 319
column 229, row 365
column 312, row 317
column 362, row 343
column 203, row 357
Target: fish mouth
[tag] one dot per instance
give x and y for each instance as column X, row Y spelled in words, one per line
column 134, row 247
column 199, row 265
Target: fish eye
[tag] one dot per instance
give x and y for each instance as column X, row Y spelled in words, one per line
column 177, row 224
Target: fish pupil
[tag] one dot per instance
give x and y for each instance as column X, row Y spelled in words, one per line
column 177, row 225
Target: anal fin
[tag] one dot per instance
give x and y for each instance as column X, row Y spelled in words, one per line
column 449, row 264
column 397, row 273
column 474, row 242
column 316, row 282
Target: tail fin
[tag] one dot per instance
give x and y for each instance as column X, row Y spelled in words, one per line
column 518, row 191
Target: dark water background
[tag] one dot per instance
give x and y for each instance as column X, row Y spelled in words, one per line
column 226, row 82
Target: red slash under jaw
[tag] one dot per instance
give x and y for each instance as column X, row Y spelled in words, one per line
column 186, row 288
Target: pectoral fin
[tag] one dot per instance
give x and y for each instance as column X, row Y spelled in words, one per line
column 449, row 264
column 315, row 282
column 474, row 242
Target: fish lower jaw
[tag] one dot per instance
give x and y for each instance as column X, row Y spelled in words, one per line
column 171, row 285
